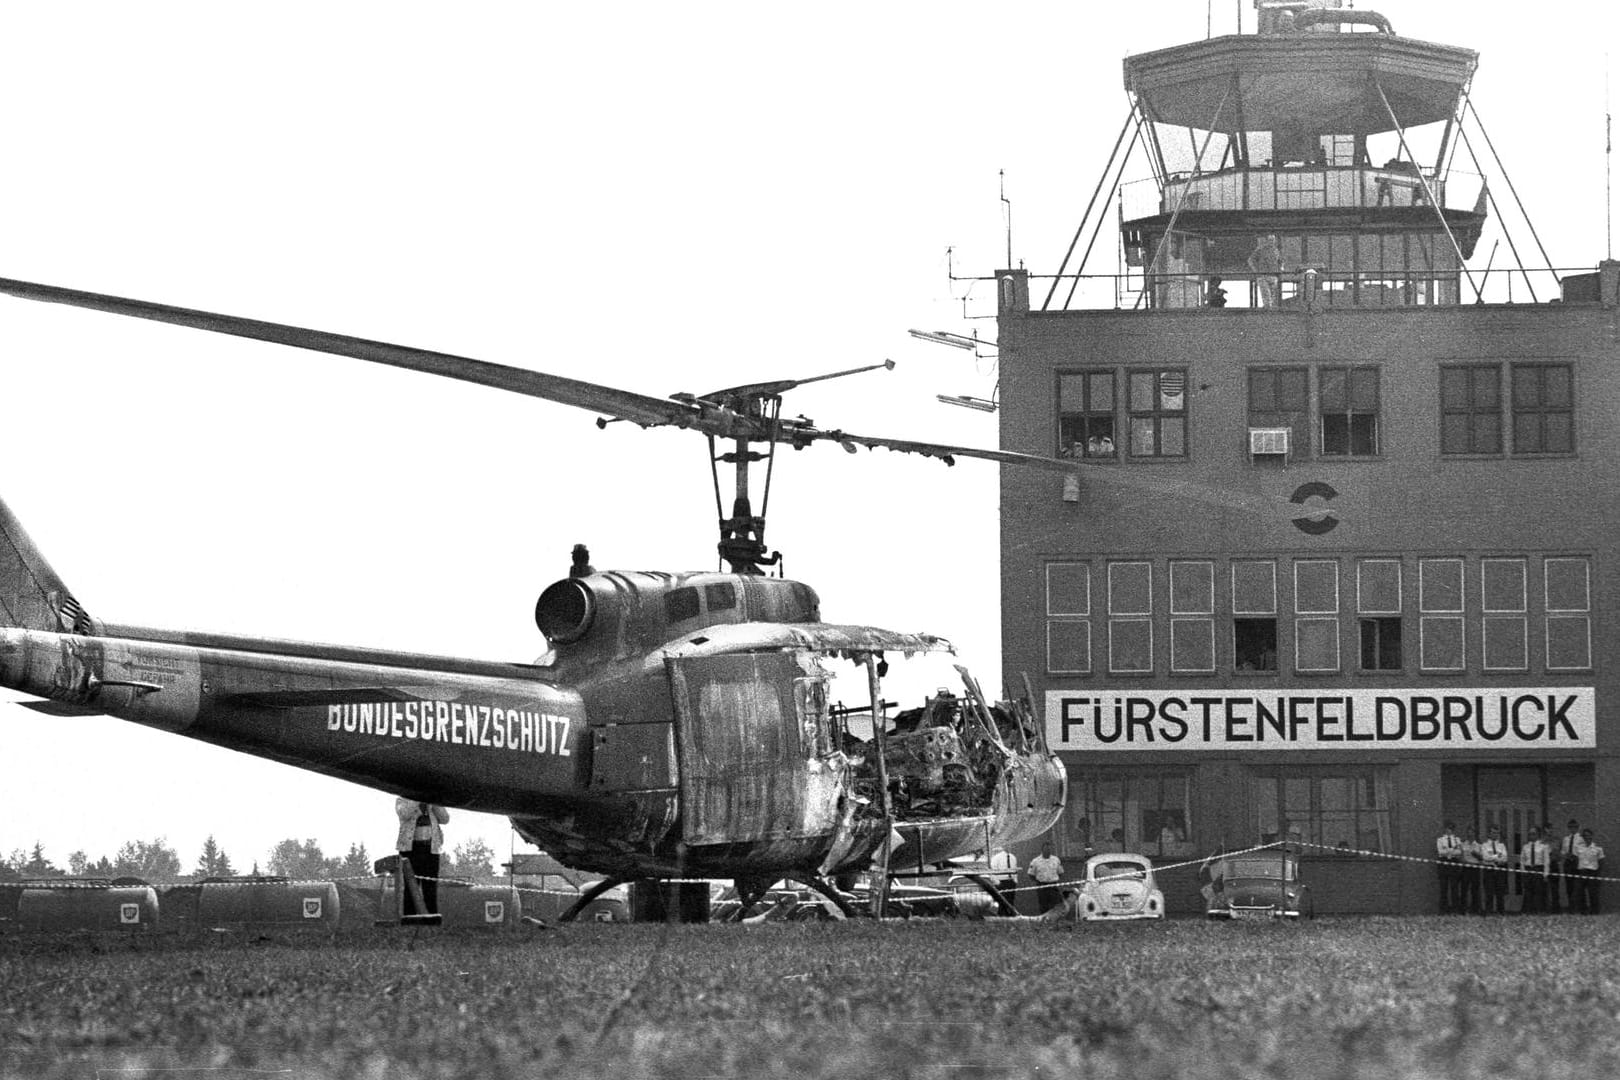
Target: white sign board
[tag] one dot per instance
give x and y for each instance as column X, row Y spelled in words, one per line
column 1514, row 718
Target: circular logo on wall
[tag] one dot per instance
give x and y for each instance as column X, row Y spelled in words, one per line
column 1317, row 519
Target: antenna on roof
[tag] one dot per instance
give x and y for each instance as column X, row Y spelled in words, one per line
column 1006, row 213
column 1608, row 165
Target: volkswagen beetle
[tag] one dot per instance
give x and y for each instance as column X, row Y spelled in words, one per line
column 1119, row 885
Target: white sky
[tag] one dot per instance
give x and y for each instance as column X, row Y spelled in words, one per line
column 658, row 197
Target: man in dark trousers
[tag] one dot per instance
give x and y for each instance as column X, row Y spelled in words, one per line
column 421, row 837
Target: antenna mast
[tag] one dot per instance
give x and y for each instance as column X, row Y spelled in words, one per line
column 1006, row 213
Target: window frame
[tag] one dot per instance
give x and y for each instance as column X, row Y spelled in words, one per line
column 1349, row 413
column 1541, row 411
column 1297, row 421
column 1473, row 411
column 1088, row 413
column 1155, row 414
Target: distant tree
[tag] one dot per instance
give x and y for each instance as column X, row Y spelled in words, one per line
column 213, row 862
column 298, row 860
column 357, row 863
column 38, row 865
column 78, row 863
column 151, row 860
column 473, row 859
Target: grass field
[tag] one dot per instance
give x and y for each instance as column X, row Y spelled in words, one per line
column 1419, row 997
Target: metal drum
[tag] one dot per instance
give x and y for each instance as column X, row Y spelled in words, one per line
column 88, row 907
column 492, row 906
column 259, row 902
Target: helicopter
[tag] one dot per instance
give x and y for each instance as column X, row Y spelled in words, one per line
column 681, row 725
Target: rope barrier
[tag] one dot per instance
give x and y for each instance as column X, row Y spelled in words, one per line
column 69, row 883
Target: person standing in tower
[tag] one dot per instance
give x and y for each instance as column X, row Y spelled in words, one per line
column 1265, row 262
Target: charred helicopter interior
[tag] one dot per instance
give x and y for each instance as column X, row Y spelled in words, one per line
column 945, row 758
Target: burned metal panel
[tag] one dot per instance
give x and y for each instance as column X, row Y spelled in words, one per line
column 633, row 757
column 754, row 750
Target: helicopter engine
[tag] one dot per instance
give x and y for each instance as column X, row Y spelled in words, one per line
column 619, row 615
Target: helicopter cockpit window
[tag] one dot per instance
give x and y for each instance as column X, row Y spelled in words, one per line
column 681, row 604
column 721, row 597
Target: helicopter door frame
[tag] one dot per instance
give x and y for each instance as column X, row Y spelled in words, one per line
column 755, row 747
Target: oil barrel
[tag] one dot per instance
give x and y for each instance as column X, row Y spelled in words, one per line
column 491, row 906
column 88, row 907
column 261, row 902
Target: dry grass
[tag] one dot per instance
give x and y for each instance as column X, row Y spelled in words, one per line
column 1335, row 999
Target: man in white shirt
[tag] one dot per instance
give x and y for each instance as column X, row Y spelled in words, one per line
column 1045, row 870
column 1535, row 866
column 1564, row 867
column 1448, row 849
column 1588, row 864
column 1493, row 859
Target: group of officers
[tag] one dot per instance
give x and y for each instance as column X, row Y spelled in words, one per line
column 1556, row 874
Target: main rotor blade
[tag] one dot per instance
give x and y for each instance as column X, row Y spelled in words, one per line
column 638, row 408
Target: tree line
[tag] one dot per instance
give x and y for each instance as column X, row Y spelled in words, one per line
column 157, row 861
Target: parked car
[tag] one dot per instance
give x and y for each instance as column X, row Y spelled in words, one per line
column 1119, row 885
column 1260, row 885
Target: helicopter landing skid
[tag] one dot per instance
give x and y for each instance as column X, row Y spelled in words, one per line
column 588, row 895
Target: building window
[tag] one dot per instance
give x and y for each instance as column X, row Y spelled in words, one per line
column 1130, row 621
column 1158, row 407
column 1471, row 409
column 1332, row 809
column 1280, row 398
column 1442, row 641
column 1192, row 616
column 1145, row 812
column 1316, row 593
column 1254, row 615
column 1086, row 414
column 1378, row 607
column 1504, row 622
column 1568, row 586
column 1543, row 408
column 1068, row 618
column 1349, row 401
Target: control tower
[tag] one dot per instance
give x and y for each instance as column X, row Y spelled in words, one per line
column 1300, row 133
column 1337, row 561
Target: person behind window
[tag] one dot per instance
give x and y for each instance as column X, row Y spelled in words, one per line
column 1214, row 295
column 1265, row 262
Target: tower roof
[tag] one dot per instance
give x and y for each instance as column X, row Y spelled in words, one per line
column 1326, row 82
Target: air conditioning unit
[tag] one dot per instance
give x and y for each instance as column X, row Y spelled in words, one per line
column 1269, row 442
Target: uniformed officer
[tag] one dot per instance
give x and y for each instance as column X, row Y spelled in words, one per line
column 1471, row 884
column 1493, row 860
column 1535, row 866
column 1449, row 850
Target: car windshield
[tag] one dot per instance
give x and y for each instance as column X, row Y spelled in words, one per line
column 1259, row 868
column 1117, row 870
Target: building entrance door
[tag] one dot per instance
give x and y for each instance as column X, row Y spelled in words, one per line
column 1513, row 800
